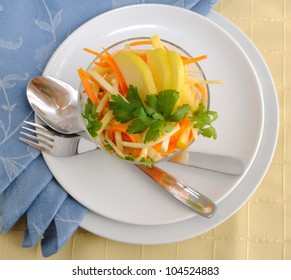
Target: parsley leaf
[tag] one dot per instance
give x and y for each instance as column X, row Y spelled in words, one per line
column 126, row 111
column 203, row 119
column 138, row 126
column 108, row 147
column 163, row 102
column 133, row 97
column 180, row 113
column 155, row 116
column 147, row 162
column 129, row 158
column 155, row 128
column 91, row 116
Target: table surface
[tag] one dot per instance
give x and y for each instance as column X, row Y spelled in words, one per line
column 261, row 229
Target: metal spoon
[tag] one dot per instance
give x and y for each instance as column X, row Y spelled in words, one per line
column 56, row 104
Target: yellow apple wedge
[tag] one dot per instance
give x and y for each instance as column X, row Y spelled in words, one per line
column 136, row 72
column 177, row 71
column 156, row 42
column 159, row 65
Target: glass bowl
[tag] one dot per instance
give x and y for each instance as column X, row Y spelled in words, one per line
column 125, row 44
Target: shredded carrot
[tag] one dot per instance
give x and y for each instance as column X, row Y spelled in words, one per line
column 116, row 70
column 125, row 135
column 187, row 60
column 202, row 91
column 110, row 60
column 141, row 42
column 191, row 136
column 174, row 138
column 102, row 64
column 122, row 128
column 87, row 86
column 171, row 149
column 158, row 147
column 143, row 57
column 101, row 56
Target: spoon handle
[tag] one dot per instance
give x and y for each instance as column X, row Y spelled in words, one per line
column 193, row 199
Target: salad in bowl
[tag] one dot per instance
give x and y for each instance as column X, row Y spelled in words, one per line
column 145, row 99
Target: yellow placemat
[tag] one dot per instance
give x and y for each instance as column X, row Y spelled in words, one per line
column 261, row 229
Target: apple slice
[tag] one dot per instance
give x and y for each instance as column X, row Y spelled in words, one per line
column 136, row 72
column 156, row 42
column 177, row 71
column 159, row 65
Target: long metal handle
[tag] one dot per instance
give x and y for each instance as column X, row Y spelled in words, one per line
column 214, row 162
column 193, row 199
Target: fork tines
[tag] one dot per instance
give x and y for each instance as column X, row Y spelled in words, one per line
column 42, row 138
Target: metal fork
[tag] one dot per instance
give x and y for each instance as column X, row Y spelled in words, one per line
column 49, row 141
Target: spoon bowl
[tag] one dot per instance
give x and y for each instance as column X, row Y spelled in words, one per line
column 56, row 103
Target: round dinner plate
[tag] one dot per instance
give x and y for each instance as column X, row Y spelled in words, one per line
column 119, row 191
column 161, row 234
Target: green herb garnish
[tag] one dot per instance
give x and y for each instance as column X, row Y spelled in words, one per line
column 203, row 119
column 130, row 158
column 91, row 115
column 157, row 116
column 147, row 162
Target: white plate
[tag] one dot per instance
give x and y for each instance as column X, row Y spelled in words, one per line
column 118, row 190
column 192, row 227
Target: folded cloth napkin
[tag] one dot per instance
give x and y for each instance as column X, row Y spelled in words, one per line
column 30, row 33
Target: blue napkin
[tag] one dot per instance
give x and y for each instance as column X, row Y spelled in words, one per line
column 30, row 32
